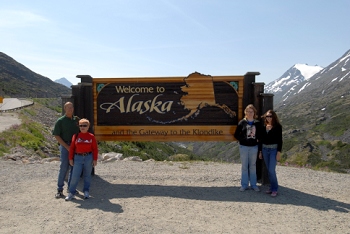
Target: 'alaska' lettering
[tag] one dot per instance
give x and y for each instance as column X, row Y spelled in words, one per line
column 138, row 106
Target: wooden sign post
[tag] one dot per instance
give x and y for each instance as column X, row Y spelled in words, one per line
column 193, row 108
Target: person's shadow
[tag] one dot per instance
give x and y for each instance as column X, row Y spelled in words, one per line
column 103, row 192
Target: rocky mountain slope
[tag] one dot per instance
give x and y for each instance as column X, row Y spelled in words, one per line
column 316, row 117
column 16, row 80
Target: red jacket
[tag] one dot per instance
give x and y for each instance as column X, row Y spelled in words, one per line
column 83, row 143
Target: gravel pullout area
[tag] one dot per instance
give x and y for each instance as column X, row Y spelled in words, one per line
column 172, row 197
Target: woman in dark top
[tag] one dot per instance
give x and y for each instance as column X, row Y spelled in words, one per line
column 248, row 134
column 271, row 145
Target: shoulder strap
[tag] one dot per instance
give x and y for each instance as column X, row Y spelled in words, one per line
column 76, row 136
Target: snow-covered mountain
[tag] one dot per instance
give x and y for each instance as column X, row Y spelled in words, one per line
column 64, row 82
column 315, row 117
column 289, row 81
column 336, row 75
column 311, row 80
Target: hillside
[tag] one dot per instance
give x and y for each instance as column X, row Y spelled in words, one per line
column 316, row 118
column 34, row 137
column 16, row 80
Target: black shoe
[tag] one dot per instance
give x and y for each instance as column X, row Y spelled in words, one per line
column 59, row 194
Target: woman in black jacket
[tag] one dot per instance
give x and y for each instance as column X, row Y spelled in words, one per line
column 271, row 142
column 248, row 134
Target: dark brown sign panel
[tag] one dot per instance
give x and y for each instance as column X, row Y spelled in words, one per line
column 193, row 108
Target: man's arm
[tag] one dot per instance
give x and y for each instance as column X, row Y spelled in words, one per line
column 61, row 141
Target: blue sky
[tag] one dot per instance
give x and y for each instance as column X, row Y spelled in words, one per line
column 156, row 38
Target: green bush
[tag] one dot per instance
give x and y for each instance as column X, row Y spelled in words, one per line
column 314, row 159
column 179, row 157
column 28, row 135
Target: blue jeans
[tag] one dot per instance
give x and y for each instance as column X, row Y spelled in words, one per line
column 269, row 156
column 248, row 159
column 64, row 168
column 81, row 164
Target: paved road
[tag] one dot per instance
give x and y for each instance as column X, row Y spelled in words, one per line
column 10, row 118
column 12, row 103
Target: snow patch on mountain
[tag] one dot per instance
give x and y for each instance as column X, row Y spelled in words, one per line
column 308, row 71
column 304, row 86
column 347, row 56
column 346, row 75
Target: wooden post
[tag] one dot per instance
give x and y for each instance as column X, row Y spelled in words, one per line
column 266, row 103
column 83, row 103
column 248, row 95
column 258, row 89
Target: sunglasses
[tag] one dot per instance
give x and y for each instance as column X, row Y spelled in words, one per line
column 83, row 126
column 268, row 116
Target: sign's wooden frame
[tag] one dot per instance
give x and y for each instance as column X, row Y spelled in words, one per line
column 165, row 132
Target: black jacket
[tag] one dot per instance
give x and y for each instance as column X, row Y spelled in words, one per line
column 274, row 136
column 248, row 135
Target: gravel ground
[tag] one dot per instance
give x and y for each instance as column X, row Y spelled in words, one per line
column 169, row 197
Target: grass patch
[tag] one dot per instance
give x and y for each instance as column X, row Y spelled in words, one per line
column 50, row 103
column 28, row 135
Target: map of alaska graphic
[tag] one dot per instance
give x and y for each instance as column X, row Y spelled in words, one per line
column 201, row 94
column 203, row 99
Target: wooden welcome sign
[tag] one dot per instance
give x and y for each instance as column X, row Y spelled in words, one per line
column 193, row 108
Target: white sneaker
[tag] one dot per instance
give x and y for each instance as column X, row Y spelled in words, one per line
column 86, row 195
column 69, row 197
